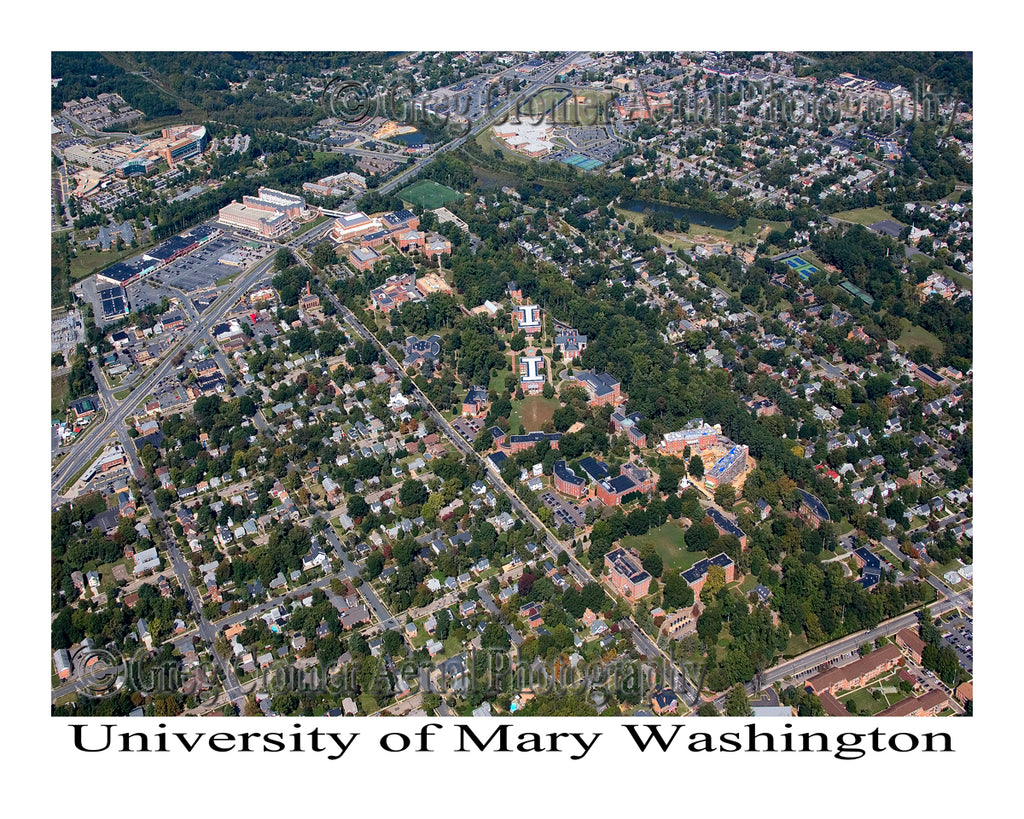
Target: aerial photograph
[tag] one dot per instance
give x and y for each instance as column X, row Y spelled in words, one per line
column 511, row 383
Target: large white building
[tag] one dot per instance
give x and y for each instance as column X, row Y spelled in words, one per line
column 269, row 224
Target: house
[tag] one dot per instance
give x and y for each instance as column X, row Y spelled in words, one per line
column 62, row 663
column 665, row 701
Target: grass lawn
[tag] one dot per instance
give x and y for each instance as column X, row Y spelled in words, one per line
column 864, row 701
column 429, row 194
column 914, row 336
column 667, row 540
column 58, row 397
column 318, row 221
column 748, row 584
column 865, row 216
column 533, row 412
column 120, row 395
column 796, row 645
column 844, row 527
column 497, row 382
column 86, row 262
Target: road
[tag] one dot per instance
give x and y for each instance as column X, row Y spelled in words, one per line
column 825, row 654
column 79, row 456
column 643, row 643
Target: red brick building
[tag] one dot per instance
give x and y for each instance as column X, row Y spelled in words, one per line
column 858, row 673
column 927, row 705
column 627, row 574
column 909, row 639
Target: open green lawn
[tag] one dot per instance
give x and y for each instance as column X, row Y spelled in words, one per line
column 865, row 216
column 914, row 336
column 667, row 540
column 864, row 701
column 429, row 194
column 58, row 396
column 533, row 412
column 682, row 241
column 86, row 262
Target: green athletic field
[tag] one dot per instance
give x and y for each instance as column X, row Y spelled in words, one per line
column 428, row 194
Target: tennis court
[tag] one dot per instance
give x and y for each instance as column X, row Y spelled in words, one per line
column 803, row 268
column 585, row 163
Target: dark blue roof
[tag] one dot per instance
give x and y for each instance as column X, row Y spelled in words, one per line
column 815, row 505
column 724, row 524
column 565, row 474
column 621, row 484
column 597, row 470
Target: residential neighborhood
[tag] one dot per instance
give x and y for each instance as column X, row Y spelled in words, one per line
column 423, row 417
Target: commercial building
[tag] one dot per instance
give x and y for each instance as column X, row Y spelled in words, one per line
column 571, row 343
column 811, row 509
column 437, row 245
column 475, row 402
column 113, row 303
column 727, row 468
column 697, row 574
column 422, row 353
column 726, row 526
column 265, row 223
column 696, row 435
column 631, row 478
column 628, row 576
column 351, row 226
column 628, row 424
column 183, row 142
column 518, row 443
column 395, row 291
column 273, row 201
column 400, row 221
column 566, row 481
column 364, row 258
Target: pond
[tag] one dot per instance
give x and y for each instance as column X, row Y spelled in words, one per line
column 694, row 217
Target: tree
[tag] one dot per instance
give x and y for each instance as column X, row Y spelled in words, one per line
column 707, row 709
column 495, row 637
column 413, row 493
column 393, row 642
column 651, row 560
column 737, row 704
column 725, row 495
column 695, row 467
column 678, row 593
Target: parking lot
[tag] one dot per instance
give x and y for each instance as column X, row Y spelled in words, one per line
column 565, row 513
column 959, row 635
column 200, row 270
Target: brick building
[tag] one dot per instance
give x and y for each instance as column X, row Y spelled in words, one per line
column 568, row 482
column 858, row 673
column 627, row 574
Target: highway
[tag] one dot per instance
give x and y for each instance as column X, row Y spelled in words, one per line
column 79, row 456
